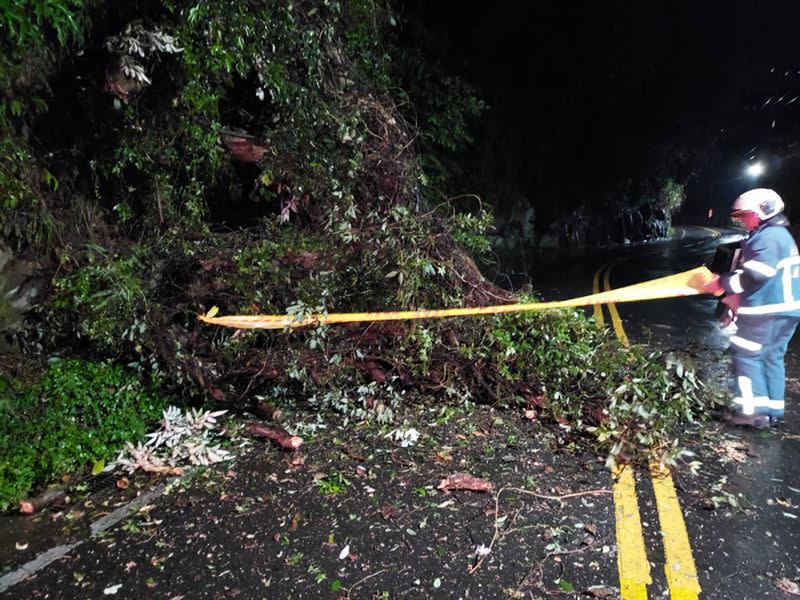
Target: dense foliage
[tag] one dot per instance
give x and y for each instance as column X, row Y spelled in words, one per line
column 259, row 156
column 27, row 31
column 77, row 414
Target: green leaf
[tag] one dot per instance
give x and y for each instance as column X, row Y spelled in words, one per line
column 565, row 585
column 98, row 466
column 50, row 179
column 336, row 585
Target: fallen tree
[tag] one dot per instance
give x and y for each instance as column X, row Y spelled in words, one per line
column 259, row 156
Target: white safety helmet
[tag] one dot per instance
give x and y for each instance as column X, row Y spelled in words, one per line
column 764, row 202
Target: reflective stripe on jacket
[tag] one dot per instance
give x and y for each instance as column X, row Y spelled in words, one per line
column 767, row 276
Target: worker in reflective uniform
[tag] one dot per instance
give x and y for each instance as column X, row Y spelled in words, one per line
column 763, row 291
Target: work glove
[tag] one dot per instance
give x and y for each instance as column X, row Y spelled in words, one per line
column 727, row 318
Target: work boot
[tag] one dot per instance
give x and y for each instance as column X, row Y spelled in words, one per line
column 742, row 420
column 775, row 421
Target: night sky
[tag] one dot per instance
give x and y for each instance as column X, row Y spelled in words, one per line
column 586, row 94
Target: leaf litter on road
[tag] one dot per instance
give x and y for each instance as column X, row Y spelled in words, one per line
column 393, row 493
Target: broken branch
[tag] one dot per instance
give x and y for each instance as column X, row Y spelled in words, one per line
column 277, row 434
column 47, row 498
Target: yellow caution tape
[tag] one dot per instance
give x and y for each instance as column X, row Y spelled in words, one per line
column 688, row 283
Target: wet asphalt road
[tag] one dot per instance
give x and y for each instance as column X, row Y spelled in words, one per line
column 742, row 510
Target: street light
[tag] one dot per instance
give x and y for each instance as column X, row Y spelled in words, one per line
column 755, row 170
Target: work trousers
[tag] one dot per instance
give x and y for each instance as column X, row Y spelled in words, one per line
column 758, row 349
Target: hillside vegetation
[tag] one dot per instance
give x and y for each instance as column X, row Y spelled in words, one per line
column 159, row 158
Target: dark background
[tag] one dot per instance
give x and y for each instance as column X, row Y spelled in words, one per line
column 583, row 95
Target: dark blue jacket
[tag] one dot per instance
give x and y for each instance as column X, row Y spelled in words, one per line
column 767, row 277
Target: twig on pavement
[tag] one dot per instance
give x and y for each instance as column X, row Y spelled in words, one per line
column 496, row 535
column 360, row 581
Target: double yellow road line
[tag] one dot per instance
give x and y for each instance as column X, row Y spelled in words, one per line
column 616, row 322
column 632, row 562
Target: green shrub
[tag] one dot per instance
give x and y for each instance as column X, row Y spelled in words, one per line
column 78, row 413
column 104, row 299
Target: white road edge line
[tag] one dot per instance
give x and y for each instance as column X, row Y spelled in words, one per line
column 96, row 528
